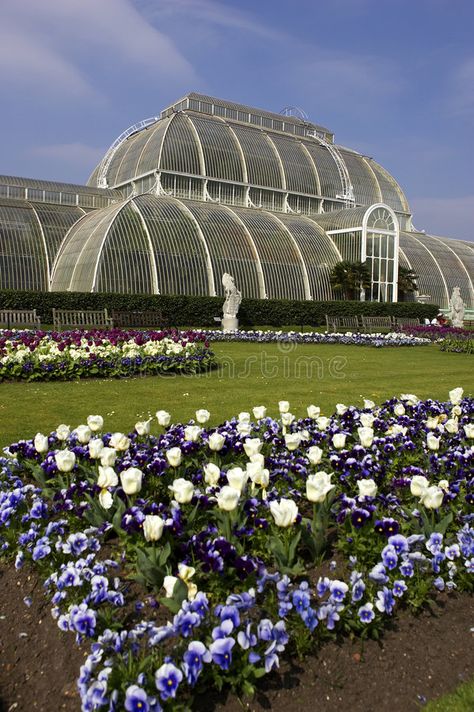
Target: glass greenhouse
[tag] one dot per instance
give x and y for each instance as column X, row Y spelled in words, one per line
column 212, row 186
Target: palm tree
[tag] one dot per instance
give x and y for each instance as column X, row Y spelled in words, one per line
column 406, row 282
column 350, row 278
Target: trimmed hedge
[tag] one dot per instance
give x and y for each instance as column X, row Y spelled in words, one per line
column 180, row 310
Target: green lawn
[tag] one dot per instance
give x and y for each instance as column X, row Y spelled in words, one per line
column 248, row 375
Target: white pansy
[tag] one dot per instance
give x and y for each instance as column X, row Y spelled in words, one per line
column 444, row 485
column 314, row 454
column 367, row 419
column 284, row 512
column 83, row 433
column 228, row 498
column 259, row 412
column 174, row 456
column 63, row 432
column 202, row 415
column 432, row 422
column 183, row 490
column 368, row 404
column 237, row 478
column 41, row 443
column 456, row 411
column 409, row 398
column 186, row 572
column 252, row 446
column 107, row 477
column 153, row 527
column 397, row 430
column 293, row 441
column 119, row 441
column 108, row 456
column 313, row 411
column 455, row 396
column 143, row 427
column 192, row 433
column 244, row 417
column 211, row 474
column 283, row 406
column 163, row 417
column 131, row 480
column 367, row 488
column 169, row 583
column 452, row 426
column 287, row 418
column 244, row 428
column 341, row 408
column 318, row 486
column 65, row 460
column 105, row 499
column 216, row 441
column 95, row 422
column 322, row 422
column 469, row 430
column 399, row 409
column 366, row 436
column 418, row 485
column 339, row 440
column 432, row 497
column 95, row 448
column 432, row 442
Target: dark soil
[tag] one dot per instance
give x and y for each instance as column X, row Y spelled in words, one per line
column 418, row 659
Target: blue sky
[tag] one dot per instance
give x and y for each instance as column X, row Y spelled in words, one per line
column 393, row 79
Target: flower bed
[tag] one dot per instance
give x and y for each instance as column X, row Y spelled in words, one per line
column 314, row 337
column 39, row 355
column 436, row 333
column 242, row 541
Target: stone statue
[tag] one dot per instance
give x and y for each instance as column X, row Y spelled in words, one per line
column 232, row 302
column 457, row 308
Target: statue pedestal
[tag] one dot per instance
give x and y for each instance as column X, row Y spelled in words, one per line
column 230, row 323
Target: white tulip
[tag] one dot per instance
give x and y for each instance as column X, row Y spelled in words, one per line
column 322, row 422
column 455, row 396
column 444, row 485
column 410, row 398
column 418, row 485
column 228, row 498
column 366, row 436
column 192, row 433
column 131, row 480
column 397, row 430
column 163, row 418
column 95, row 422
column 105, row 499
column 244, row 429
column 259, row 412
column 469, row 430
column 211, row 474
column 244, row 417
column 153, row 527
column 83, row 434
column 185, row 572
column 339, row 440
column 258, row 474
column 283, row 406
column 314, row 454
column 287, row 418
column 252, row 446
column 107, row 477
column 341, row 408
column 292, row 441
column 202, row 415
column 258, row 457
column 41, row 443
column 108, row 456
column 432, row 497
column 96, row 447
column 318, row 486
column 452, row 425
column 63, row 432
column 367, row 419
column 143, row 427
column 119, row 441
column 432, row 422
column 65, row 460
column 169, row 583
column 368, row 404
column 174, row 456
column 313, row 411
column 237, row 478
column 216, row 441
column 183, row 490
column 284, row 512
column 432, row 442
column 367, row 488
